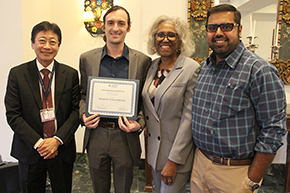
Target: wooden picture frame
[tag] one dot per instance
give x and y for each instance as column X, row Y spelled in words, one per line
column 197, row 13
column 282, row 60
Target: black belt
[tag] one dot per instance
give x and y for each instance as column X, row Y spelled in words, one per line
column 227, row 161
column 109, row 125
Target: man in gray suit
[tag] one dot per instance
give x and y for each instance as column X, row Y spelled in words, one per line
column 113, row 140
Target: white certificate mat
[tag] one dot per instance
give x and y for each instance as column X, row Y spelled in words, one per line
column 112, row 97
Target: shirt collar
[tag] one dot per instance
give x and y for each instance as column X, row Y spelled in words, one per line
column 125, row 53
column 232, row 59
column 40, row 67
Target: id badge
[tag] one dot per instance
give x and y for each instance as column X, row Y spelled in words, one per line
column 47, row 114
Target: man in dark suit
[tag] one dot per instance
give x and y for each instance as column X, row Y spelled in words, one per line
column 113, row 140
column 41, row 102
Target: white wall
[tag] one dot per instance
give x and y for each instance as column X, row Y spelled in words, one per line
column 11, row 53
column 265, row 23
column 17, row 20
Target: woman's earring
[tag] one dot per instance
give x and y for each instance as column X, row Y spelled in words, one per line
column 179, row 50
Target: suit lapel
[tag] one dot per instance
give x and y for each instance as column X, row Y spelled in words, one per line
column 60, row 80
column 96, row 60
column 33, row 82
column 168, row 81
column 150, row 76
column 133, row 64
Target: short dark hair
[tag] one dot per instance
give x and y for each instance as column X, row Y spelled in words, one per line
column 45, row 26
column 115, row 8
column 224, row 8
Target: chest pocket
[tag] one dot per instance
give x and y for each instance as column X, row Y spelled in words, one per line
column 236, row 98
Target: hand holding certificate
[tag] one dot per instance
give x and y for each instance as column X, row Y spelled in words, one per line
column 112, row 97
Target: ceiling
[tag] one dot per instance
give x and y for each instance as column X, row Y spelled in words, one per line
column 256, row 6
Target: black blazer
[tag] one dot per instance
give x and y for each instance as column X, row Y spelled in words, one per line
column 23, row 103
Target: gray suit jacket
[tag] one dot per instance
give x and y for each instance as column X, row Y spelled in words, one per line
column 138, row 67
column 169, row 120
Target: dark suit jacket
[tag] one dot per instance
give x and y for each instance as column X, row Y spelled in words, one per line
column 23, row 102
column 138, row 66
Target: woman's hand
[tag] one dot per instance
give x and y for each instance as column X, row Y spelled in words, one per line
column 168, row 173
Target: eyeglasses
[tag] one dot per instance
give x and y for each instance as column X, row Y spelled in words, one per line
column 170, row 36
column 43, row 41
column 225, row 27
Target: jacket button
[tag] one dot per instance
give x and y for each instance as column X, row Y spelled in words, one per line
column 149, row 134
column 158, row 138
column 147, row 117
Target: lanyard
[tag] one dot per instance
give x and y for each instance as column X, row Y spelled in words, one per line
column 46, row 92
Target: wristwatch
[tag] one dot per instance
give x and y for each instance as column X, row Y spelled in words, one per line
column 254, row 185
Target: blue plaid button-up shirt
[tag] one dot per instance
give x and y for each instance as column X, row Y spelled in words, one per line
column 239, row 106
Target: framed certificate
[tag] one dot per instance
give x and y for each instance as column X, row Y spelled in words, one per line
column 112, row 97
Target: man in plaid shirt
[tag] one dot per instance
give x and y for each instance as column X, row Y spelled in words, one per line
column 239, row 111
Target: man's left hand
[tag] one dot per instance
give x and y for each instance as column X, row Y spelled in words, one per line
column 128, row 125
column 48, row 148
